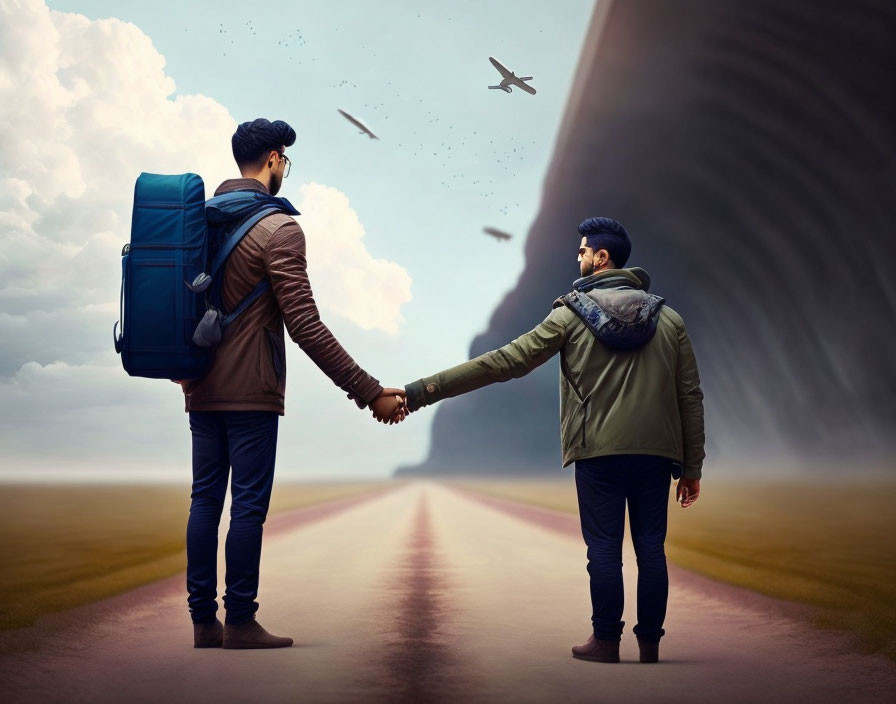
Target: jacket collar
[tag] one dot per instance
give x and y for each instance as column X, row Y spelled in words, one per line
column 634, row 277
column 241, row 184
column 237, row 198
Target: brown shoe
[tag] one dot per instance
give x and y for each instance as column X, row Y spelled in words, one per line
column 650, row 652
column 251, row 635
column 597, row 650
column 208, row 635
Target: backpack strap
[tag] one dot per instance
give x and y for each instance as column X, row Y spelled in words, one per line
column 234, row 239
column 231, row 242
column 259, row 289
column 117, row 337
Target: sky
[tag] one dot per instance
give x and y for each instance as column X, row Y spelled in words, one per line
column 93, row 93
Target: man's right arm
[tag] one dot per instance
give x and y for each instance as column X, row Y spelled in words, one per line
column 286, row 265
column 690, row 406
column 512, row 361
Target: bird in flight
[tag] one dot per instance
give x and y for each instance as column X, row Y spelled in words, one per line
column 357, row 123
column 496, row 233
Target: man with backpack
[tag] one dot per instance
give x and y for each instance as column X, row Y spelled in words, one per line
column 235, row 406
column 631, row 417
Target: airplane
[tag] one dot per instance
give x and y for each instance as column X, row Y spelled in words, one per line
column 496, row 233
column 509, row 78
column 357, row 123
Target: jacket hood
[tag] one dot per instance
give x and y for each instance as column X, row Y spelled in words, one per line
column 237, row 205
column 634, row 276
column 615, row 306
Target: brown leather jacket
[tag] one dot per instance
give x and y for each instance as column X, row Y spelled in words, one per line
column 249, row 369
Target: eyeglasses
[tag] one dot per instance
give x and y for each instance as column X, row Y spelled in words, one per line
column 288, row 164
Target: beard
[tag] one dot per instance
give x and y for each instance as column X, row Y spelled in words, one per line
column 275, row 185
column 586, row 268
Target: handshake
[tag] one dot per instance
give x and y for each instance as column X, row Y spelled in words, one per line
column 391, row 406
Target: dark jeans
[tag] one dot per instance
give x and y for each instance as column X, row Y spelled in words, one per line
column 604, row 484
column 247, row 442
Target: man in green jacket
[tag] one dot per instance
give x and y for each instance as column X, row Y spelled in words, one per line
column 631, row 418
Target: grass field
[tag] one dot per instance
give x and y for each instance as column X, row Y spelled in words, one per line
column 66, row 545
column 828, row 545
column 831, row 545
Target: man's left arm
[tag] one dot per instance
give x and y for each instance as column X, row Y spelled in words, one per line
column 513, row 360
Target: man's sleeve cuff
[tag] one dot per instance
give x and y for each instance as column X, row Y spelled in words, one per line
column 422, row 392
column 415, row 397
column 365, row 392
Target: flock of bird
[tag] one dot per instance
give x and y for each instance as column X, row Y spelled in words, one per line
column 419, row 146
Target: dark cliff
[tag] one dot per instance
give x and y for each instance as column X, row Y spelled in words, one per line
column 748, row 148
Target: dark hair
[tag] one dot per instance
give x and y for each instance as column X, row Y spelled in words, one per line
column 606, row 233
column 252, row 141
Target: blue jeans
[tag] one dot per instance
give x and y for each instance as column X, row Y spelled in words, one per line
column 247, row 442
column 603, row 485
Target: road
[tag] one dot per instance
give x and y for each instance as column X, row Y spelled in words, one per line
column 427, row 593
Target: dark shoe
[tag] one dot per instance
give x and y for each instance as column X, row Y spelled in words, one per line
column 251, row 635
column 597, row 650
column 208, row 635
column 650, row 652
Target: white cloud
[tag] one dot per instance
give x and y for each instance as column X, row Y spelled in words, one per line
column 350, row 281
column 85, row 106
column 75, row 415
column 70, row 387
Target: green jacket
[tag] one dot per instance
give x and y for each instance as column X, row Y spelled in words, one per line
column 643, row 399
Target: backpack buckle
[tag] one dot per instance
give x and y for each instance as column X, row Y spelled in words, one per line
column 200, row 283
column 209, row 330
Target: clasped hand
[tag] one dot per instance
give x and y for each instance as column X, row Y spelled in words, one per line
column 390, row 406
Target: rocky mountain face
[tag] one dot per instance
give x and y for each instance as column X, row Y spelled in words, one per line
column 748, row 148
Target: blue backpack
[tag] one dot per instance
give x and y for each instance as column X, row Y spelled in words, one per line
column 170, row 308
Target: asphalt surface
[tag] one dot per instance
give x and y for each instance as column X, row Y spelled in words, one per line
column 430, row 594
